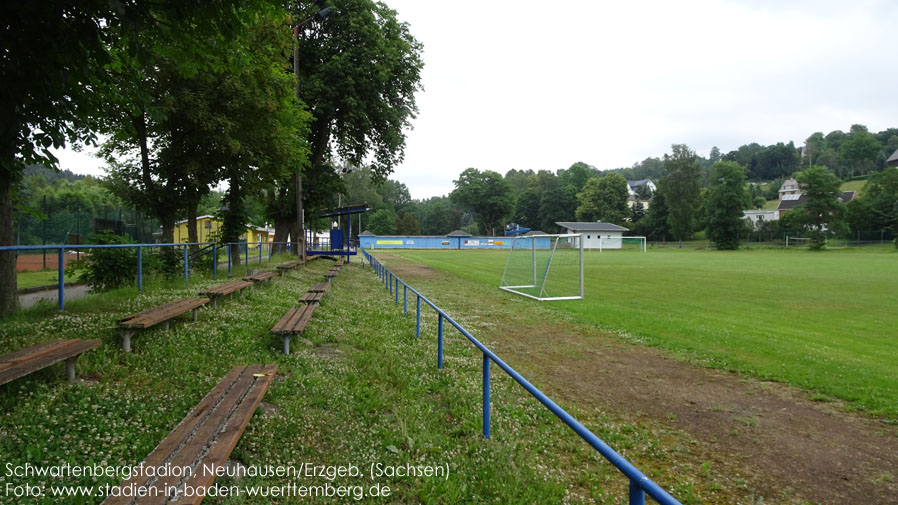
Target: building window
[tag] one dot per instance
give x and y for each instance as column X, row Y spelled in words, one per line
column 588, row 237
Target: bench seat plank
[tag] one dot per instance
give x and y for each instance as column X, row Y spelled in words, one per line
column 161, row 313
column 260, row 277
column 295, row 320
column 31, row 359
column 206, row 436
column 311, row 297
column 319, row 287
column 227, row 440
column 227, row 288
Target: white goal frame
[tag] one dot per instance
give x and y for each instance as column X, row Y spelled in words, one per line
column 541, row 283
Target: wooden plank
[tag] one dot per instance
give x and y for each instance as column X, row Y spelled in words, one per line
column 311, row 297
column 320, row 287
column 162, row 313
column 8, row 360
column 294, row 321
column 189, row 454
column 226, row 289
column 181, row 434
column 43, row 357
column 227, row 439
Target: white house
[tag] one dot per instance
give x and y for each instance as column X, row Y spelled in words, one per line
column 757, row 217
column 596, row 235
column 633, row 186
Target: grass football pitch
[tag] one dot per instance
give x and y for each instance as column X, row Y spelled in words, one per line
column 826, row 322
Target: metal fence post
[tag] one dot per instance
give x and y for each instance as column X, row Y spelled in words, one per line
column 61, row 273
column 228, row 246
column 269, row 251
column 246, row 254
column 439, row 340
column 390, row 282
column 404, row 300
column 418, row 319
column 139, row 269
column 486, row 396
column 397, row 292
column 637, row 495
column 186, row 262
column 214, row 261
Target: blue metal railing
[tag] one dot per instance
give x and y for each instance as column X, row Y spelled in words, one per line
column 61, row 249
column 640, row 485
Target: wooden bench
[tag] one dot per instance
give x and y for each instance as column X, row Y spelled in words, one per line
column 311, row 297
column 34, row 358
column 202, row 441
column 260, row 277
column 161, row 314
column 331, row 274
column 290, row 265
column 319, row 287
column 293, row 323
column 228, row 288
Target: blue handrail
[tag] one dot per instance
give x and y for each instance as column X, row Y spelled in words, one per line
column 640, row 485
column 62, row 248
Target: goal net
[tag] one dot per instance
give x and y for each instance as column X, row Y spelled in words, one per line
column 545, row 267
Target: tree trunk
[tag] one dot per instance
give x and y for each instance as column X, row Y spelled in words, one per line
column 297, row 233
column 8, row 297
column 192, row 202
column 168, row 229
column 281, row 229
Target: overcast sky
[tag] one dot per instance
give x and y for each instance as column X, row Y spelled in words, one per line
column 541, row 85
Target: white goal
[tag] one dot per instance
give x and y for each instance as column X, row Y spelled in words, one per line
column 545, row 267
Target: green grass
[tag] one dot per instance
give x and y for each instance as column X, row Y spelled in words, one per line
column 40, row 278
column 363, row 390
column 854, row 186
column 822, row 321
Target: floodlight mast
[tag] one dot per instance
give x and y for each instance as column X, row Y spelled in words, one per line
column 299, row 229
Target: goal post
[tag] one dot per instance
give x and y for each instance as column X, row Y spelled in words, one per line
column 545, row 267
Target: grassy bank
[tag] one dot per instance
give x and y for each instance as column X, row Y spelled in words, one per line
column 822, row 321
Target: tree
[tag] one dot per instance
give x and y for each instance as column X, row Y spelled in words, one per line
column 358, row 72
column 439, row 218
column 487, row 195
column 576, row 176
column 604, row 199
column 382, row 222
column 556, row 205
column 56, row 77
column 859, row 152
column 656, row 218
column 726, row 204
column 822, row 209
column 526, row 211
column 407, row 225
column 682, row 186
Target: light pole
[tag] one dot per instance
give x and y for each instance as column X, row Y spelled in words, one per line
column 299, row 240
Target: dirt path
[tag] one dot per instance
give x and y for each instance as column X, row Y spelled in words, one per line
column 766, row 436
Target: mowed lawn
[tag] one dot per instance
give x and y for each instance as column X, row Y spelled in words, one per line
column 827, row 322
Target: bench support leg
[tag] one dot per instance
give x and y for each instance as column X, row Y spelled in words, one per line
column 214, row 302
column 194, row 315
column 70, row 368
column 165, row 326
column 286, row 340
column 126, row 341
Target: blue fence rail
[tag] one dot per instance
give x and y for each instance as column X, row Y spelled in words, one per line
column 216, row 249
column 640, row 485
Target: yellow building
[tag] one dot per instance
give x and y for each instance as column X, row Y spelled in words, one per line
column 208, row 230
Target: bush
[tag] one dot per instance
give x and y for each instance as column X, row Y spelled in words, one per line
column 107, row 268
